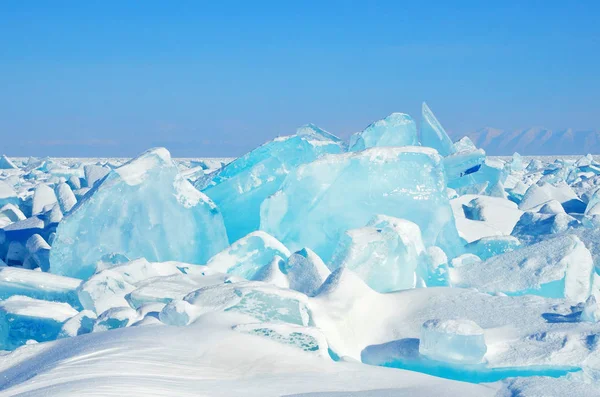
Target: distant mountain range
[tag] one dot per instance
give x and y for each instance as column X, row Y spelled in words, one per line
column 535, row 141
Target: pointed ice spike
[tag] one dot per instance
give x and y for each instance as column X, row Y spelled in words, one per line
column 433, row 134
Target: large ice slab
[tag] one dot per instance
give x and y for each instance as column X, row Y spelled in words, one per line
column 397, row 129
column 81, row 323
column 479, row 216
column 240, row 187
column 6, row 163
column 94, row 173
column 38, row 253
column 258, row 300
column 487, row 247
column 321, row 200
column 161, row 290
column 542, row 192
column 497, row 212
column 560, row 267
column 454, row 341
column 43, row 199
column 104, row 291
column 139, row 270
column 10, row 213
column 385, row 253
column 141, row 209
column 38, row 285
column 536, row 226
column 66, row 198
column 23, row 318
column 8, row 195
column 435, row 268
column 247, row 256
column 21, row 231
column 114, row 318
column 460, row 165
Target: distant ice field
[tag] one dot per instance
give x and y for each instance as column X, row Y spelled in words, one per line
column 225, row 160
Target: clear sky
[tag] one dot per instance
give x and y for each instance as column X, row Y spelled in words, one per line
column 112, row 78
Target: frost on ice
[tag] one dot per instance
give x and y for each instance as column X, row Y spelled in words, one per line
column 557, row 268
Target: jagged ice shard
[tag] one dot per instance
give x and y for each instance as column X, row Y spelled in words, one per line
column 454, row 341
column 397, row 129
column 240, row 187
column 385, row 253
column 319, row 201
column 433, row 134
column 141, row 209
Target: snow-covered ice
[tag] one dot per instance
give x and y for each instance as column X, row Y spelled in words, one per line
column 143, row 209
column 398, row 263
column 455, row 341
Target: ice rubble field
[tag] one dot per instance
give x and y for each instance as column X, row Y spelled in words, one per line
column 399, row 263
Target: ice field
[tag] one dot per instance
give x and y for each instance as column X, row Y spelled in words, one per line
column 398, row 263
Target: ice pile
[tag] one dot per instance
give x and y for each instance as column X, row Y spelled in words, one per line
column 404, row 182
column 385, row 254
column 143, row 209
column 401, row 249
column 398, row 129
column 454, row 341
column 239, row 188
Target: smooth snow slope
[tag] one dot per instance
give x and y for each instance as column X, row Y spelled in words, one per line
column 204, row 359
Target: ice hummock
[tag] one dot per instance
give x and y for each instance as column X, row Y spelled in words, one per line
column 454, row 341
column 141, row 209
column 10, row 213
column 247, row 256
column 94, row 173
column 257, row 300
column 239, row 188
column 65, row 197
column 38, row 285
column 104, row 291
column 305, row 271
column 385, row 253
column 23, row 318
column 319, row 201
column 543, row 192
column 488, row 247
column 8, row 194
column 43, row 199
column 517, row 278
column 38, row 253
column 560, row 267
column 397, row 129
column 6, row 163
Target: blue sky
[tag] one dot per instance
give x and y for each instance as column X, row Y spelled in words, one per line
column 112, row 78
